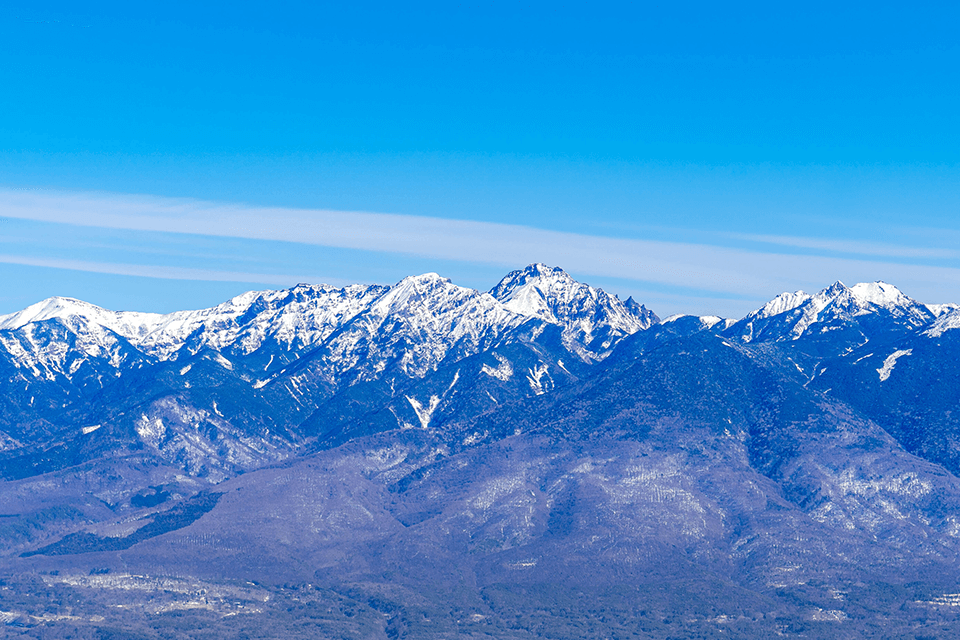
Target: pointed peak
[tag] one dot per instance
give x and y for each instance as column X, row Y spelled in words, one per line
column 536, row 273
column 833, row 290
column 541, row 269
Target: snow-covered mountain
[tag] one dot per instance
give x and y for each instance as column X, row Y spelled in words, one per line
column 175, row 379
column 859, row 309
column 414, row 323
column 791, row 473
column 294, row 318
column 946, row 322
column 592, row 319
column 251, row 380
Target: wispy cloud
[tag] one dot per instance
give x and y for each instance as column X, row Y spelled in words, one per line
column 164, row 272
column 856, row 247
column 705, row 267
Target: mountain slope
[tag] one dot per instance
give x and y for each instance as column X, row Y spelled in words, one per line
column 679, row 489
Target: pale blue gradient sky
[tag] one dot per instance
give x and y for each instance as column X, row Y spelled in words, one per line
column 700, row 158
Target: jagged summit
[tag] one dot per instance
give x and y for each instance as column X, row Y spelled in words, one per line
column 531, row 291
column 536, row 272
column 590, row 316
column 361, row 329
column 792, row 315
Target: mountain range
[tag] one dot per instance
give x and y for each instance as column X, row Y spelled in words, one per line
column 425, row 460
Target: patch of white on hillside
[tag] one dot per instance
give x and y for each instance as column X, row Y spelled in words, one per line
column 504, row 370
column 424, row 413
column 891, row 362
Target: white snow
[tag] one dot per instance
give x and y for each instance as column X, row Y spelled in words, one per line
column 551, row 295
column 536, row 376
column 835, row 304
column 504, row 370
column 880, row 294
column 943, row 324
column 942, row 309
column 360, row 330
column 891, row 361
column 223, row 362
column 424, row 413
column 783, row 303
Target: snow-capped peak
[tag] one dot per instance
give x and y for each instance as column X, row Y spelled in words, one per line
column 792, row 315
column 585, row 313
column 415, row 322
column 64, row 308
column 859, row 299
column 79, row 314
column 880, row 294
column 782, row 303
column 413, row 288
column 529, row 291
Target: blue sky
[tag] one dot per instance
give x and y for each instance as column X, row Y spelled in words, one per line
column 699, row 157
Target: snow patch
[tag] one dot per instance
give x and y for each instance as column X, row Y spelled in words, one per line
column 424, row 413
column 891, row 361
column 151, row 431
column 456, row 378
column 223, row 362
column 504, row 370
column 536, row 378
